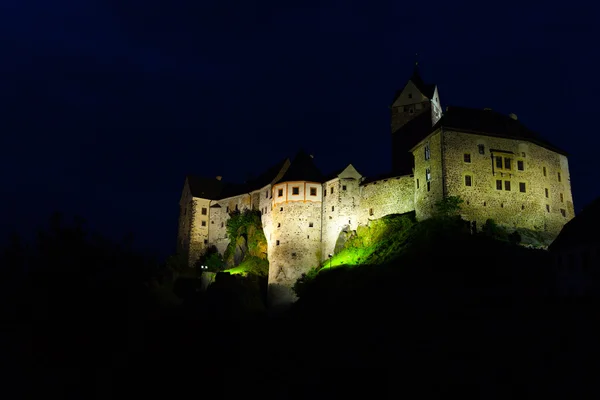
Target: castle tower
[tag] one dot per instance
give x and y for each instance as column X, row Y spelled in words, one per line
column 414, row 110
column 341, row 205
column 294, row 237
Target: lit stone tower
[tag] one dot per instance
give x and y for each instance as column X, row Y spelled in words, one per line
column 415, row 109
column 295, row 234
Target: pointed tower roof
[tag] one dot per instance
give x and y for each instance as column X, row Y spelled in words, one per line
column 302, row 168
column 426, row 89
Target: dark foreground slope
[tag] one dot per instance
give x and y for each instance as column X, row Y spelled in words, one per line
column 455, row 312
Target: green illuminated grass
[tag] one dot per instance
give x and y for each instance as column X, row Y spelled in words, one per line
column 251, row 265
column 382, row 241
column 347, row 257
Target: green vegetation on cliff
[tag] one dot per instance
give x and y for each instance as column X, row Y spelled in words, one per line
column 378, row 242
column 247, row 249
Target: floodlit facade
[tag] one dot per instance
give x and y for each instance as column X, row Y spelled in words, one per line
column 501, row 170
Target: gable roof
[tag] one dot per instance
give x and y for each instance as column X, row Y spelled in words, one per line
column 269, row 175
column 302, row 168
column 215, row 189
column 426, row 88
column 581, row 230
column 205, row 188
column 491, row 123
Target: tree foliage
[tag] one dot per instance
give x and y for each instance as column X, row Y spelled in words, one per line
column 449, row 206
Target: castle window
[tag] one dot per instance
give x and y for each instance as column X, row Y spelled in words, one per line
column 427, row 152
column 236, row 208
column 279, row 192
column 545, row 171
column 498, row 162
column 410, row 110
column 280, row 208
column 559, row 177
column 428, row 186
column 279, row 224
column 417, row 183
column 410, row 95
column 185, row 211
column 522, row 187
column 308, row 236
column 428, row 174
column 522, row 206
column 507, row 185
column 266, row 194
column 548, row 207
column 467, row 157
column 468, row 180
column 310, row 224
column 205, row 241
column 484, row 203
column 277, row 242
column 204, row 211
column 332, row 190
column 502, row 205
column 370, row 211
column 212, row 222
column 506, row 163
column 520, row 165
column 313, row 191
column 563, row 212
column 481, row 148
column 332, row 208
column 296, row 190
column 222, row 224
column 227, row 209
column 344, row 187
column 293, row 255
column 546, row 190
column 203, row 223
column 498, row 184
column 562, row 199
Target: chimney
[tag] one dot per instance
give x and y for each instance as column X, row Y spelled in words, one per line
column 513, row 116
column 219, row 177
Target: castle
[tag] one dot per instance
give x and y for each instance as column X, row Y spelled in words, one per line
column 501, row 170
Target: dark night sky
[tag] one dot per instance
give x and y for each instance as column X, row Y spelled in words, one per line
column 107, row 105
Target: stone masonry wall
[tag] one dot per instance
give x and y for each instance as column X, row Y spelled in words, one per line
column 219, row 216
column 424, row 200
column 198, row 240
column 294, row 238
column 341, row 205
column 508, row 205
column 388, row 196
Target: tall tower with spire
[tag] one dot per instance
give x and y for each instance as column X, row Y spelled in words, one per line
column 414, row 110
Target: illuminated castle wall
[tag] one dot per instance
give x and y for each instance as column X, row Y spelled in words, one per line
column 501, row 170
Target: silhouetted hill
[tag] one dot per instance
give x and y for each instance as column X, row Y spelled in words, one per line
column 448, row 311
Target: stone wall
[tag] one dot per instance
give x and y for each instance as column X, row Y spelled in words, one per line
column 426, row 196
column 198, row 240
column 387, row 196
column 294, row 238
column 509, row 205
